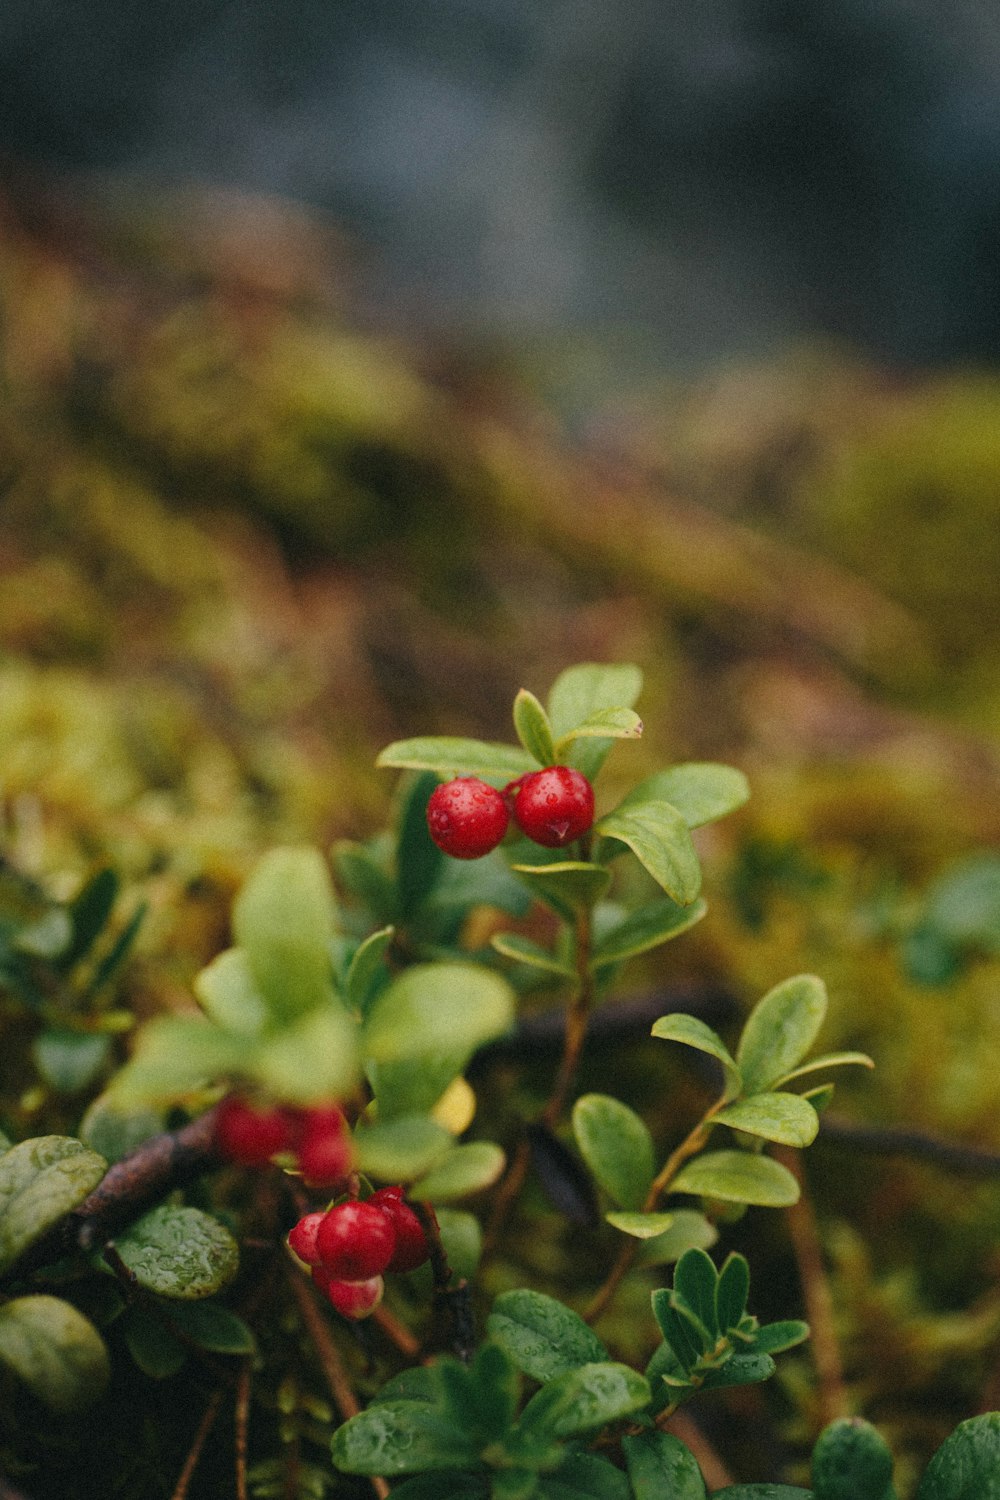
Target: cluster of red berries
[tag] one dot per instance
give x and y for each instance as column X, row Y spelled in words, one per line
column 467, row 818
column 318, row 1137
column 349, row 1246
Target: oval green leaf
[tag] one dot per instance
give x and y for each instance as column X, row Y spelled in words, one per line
column 114, row 1133
column 689, row 1230
column 967, row 1464
column 780, row 1030
column 659, row 838
column 70, row 1060
column 213, row 1327
column 828, row 1060
column 367, row 965
column 283, row 918
column 701, row 791
column 464, row 1170
column 55, row 1350
column 646, row 928
column 524, row 951
column 694, row 1033
column 179, row 1252
column 399, row 1437
column 583, row 691
column 641, row 1226
column 585, row 1399
column 158, row 1353
column 617, row 1147
column 175, row 1056
column 462, row 1237
column 41, row 1180
column 450, row 755
column 543, row 1337
column 738, row 1177
column 786, row 1118
column 569, row 886
column 312, row 1060
column 661, row 1467
column 605, row 724
column 229, row 995
column 533, row 728
column 437, row 1008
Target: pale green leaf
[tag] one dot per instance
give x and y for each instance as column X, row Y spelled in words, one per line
column 229, row 995
column 432, row 1009
column 690, row 1230
column 401, row 1149
column 179, row 1252
column 827, row 1060
column 659, row 838
column 617, row 1147
column 641, row 1226
column 177, row 1055
column 646, row 928
column 543, row 1337
column 569, row 886
column 312, row 1060
column 533, row 728
column 70, row 1060
column 462, row 1237
column 700, row 791
column 55, row 1350
column 450, row 756
column 780, row 1030
column 606, row 724
column 524, row 951
column 785, row 1118
column 694, row 1033
column 584, row 690
column 738, row 1177
column 465, row 1169
column 366, row 966
column 413, row 1087
column 41, row 1180
column 283, row 918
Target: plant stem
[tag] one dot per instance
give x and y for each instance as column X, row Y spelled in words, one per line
column 816, row 1294
column 191, row 1462
column 242, row 1425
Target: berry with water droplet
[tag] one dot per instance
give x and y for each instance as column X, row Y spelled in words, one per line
column 466, row 817
column 553, row 807
column 411, row 1242
column 355, row 1241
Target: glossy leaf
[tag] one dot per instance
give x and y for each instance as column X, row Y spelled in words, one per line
column 283, row 918
column 694, row 1033
column 775, row 1338
column 480, row 1398
column 617, row 1147
column 660, row 1467
column 533, row 728
column 695, row 1282
column 584, row 690
column 585, row 1476
column 585, row 1399
column 450, row 756
column 400, row 1150
column 179, row 1252
column 851, row 1461
column 55, row 1350
column 213, row 1327
column 434, row 1008
column 524, row 951
column 786, row 1118
column 70, row 1060
column 641, row 1226
column 229, row 995
column 967, row 1464
column 569, row 886
column 780, row 1030
column 732, row 1291
column 400, row 1437
column 367, row 965
column 741, row 1369
column 701, row 791
column 41, row 1180
column 463, row 1170
column 644, row 929
column 763, row 1492
column 543, row 1337
column 738, row 1177
column 659, row 838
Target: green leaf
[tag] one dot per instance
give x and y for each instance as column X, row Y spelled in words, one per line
column 312, row 1060
column 543, row 1337
column 157, row 1352
column 70, row 1060
column 229, row 995
column 114, row 1133
column 480, row 1400
column 641, row 1226
column 963, row 904
column 367, row 966
column 584, row 1476
column 786, row 1118
column 584, row 690
column 55, row 1350
column 176, row 1055
column 732, row 1291
column 479, row 882
column 213, row 1327
column 694, row 1033
column 401, row 1149
column 117, row 953
column 533, row 728
column 568, row 886
column 967, row 1464
column 464, row 1170
column 695, row 1282
column 738, row 1177
column 585, row 1399
column 700, row 791
column 41, row 1180
column 741, row 1369
column 763, row 1492
column 462, row 1237
column 179, row 1252
column 689, row 1230
column 659, row 838
column 400, row 1437
column 605, row 724
column 49, row 937
column 852, row 1461
column 646, row 928
column 283, row 918
column 780, row 1030
column 683, row 1340
column 660, row 1467
column 451, row 756
column 413, row 1087
column 617, row 1147
column 524, row 951
column 828, row 1060
column 775, row 1338
column 360, row 873
column 419, row 861
column 437, row 1008
column 88, row 913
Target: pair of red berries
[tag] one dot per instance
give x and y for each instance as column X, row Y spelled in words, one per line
column 318, row 1137
column 350, row 1245
column 467, row 818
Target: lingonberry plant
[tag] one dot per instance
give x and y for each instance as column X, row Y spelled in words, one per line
column 322, row 1092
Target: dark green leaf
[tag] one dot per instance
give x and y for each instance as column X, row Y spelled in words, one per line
column 742, row 1369
column 584, row 1476
column 695, row 1281
column 360, row 873
column 543, row 1337
column 400, row 1437
column 151, row 1344
column 763, row 1492
column 677, row 1333
column 659, row 838
column 40, row 1180
column 419, row 861
column 481, row 1399
column 775, row 1338
column 89, row 913
column 780, row 1030
column 55, row 1350
column 694, row 1033
column 851, row 1461
column 213, row 1327
column 179, row 1252
column 617, row 1147
column 660, row 1467
column 70, row 1060
column 117, row 953
column 419, row 1383
column 700, row 791
column 732, row 1291
column 786, row 1118
column 442, row 1484
column 967, row 1464
column 568, row 886
column 738, row 1177
column 283, row 919
column 452, row 756
column 533, row 728
column 644, row 929
column 585, row 1399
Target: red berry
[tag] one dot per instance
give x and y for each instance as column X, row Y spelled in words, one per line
column 302, row 1238
column 355, row 1241
column 411, row 1242
column 352, row 1299
column 466, row 817
column 324, row 1147
column 250, row 1136
column 554, row 806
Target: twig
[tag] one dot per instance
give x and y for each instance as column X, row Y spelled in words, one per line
column 804, row 1234
column 452, row 1302
column 200, row 1437
column 241, row 1425
column 396, row 1332
column 713, row 1470
column 919, row 1145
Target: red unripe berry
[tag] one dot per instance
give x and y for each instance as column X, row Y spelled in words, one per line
column 324, row 1148
column 411, row 1242
column 554, row 806
column 250, row 1136
column 355, row 1241
column 352, row 1299
column 302, row 1238
column 466, row 818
